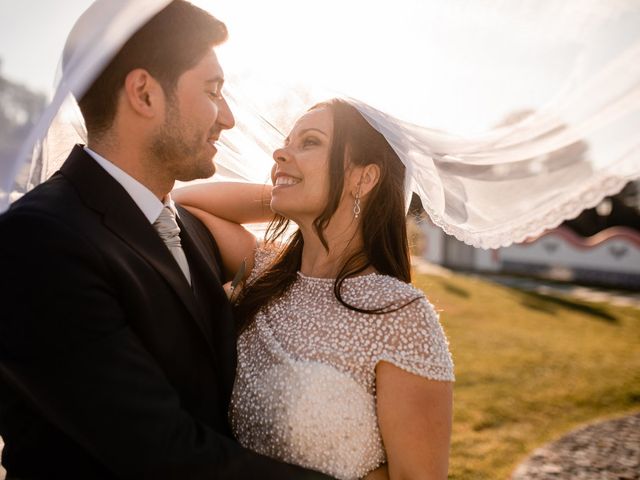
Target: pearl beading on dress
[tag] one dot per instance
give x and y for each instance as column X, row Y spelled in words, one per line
column 305, row 385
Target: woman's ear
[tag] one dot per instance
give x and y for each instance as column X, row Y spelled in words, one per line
column 143, row 93
column 369, row 178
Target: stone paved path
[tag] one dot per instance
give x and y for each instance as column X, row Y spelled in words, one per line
column 608, row 450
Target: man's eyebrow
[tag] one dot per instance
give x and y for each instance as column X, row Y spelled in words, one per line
column 286, row 140
column 215, row 80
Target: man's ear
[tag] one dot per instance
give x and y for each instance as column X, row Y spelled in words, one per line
column 369, row 178
column 143, row 93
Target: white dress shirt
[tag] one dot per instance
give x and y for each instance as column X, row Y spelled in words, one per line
column 144, row 198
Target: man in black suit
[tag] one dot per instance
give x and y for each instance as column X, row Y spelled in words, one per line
column 117, row 349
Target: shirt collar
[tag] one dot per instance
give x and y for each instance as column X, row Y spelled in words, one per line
column 144, row 198
column 168, row 202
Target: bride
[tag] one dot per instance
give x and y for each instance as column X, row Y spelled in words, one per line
column 343, row 365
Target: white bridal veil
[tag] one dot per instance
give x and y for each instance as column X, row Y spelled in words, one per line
column 550, row 157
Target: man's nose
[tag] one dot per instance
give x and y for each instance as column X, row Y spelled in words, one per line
column 225, row 116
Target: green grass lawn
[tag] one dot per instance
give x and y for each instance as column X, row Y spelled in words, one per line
column 529, row 368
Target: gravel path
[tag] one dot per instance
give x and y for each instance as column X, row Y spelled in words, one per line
column 608, row 450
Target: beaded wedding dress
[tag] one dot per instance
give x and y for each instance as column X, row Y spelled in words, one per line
column 305, row 385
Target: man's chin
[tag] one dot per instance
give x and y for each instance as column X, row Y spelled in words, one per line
column 205, row 171
column 210, row 171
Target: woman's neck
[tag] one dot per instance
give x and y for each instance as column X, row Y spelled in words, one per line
column 342, row 239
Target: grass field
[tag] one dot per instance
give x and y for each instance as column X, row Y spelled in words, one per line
column 529, row 368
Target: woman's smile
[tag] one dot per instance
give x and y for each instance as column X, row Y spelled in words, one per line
column 284, row 180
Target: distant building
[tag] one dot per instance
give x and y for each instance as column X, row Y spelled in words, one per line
column 608, row 255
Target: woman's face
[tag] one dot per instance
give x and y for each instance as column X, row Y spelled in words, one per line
column 301, row 173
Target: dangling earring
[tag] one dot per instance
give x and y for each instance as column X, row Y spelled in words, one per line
column 356, row 205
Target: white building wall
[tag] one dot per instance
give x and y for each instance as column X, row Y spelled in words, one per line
column 434, row 242
column 487, row 260
column 613, row 256
column 617, row 254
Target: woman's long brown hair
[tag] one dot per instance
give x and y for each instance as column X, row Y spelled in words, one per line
column 384, row 232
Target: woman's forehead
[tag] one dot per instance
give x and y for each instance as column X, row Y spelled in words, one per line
column 319, row 118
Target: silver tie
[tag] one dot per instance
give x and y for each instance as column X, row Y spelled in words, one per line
column 169, row 232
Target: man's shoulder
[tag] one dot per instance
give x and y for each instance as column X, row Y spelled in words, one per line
column 46, row 196
column 50, row 204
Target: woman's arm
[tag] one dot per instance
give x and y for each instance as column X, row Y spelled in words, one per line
column 380, row 473
column 223, row 207
column 414, row 414
column 233, row 201
column 236, row 244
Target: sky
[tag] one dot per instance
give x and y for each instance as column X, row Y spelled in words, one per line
column 459, row 65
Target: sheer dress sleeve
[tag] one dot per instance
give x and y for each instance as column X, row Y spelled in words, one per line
column 413, row 339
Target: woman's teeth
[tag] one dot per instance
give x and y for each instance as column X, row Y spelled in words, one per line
column 286, row 181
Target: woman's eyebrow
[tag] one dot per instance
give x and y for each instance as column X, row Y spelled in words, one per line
column 302, row 132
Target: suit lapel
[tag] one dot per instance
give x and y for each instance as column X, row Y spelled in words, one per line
column 135, row 230
column 200, row 273
column 121, row 215
column 207, row 280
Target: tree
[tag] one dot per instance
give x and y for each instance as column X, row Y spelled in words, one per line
column 19, row 109
column 620, row 210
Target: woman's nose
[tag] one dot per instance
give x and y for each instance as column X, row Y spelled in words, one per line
column 279, row 155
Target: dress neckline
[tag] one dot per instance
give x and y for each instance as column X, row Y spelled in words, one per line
column 302, row 276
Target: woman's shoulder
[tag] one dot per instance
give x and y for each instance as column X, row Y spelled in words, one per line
column 391, row 292
column 264, row 255
column 410, row 334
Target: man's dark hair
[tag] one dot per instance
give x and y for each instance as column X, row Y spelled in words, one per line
column 171, row 43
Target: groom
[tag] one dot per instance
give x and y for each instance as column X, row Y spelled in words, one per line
column 117, row 346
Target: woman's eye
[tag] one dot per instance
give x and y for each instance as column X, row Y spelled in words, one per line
column 214, row 95
column 309, row 141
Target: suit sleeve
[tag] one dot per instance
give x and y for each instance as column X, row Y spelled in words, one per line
column 66, row 348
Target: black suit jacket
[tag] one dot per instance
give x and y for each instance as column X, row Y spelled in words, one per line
column 111, row 365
